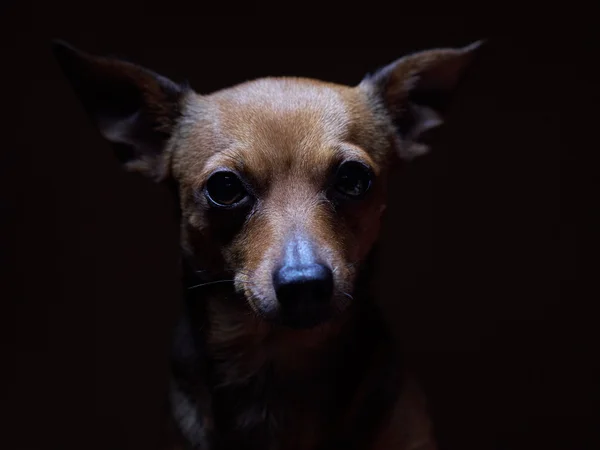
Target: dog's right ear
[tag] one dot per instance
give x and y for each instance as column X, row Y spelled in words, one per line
column 416, row 89
column 134, row 108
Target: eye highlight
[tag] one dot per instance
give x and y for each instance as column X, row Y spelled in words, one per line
column 353, row 179
column 225, row 189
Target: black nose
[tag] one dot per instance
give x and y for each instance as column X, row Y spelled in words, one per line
column 302, row 287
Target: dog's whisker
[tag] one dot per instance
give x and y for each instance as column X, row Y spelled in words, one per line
column 209, row 283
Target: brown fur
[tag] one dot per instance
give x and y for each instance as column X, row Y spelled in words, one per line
column 285, row 137
column 288, row 151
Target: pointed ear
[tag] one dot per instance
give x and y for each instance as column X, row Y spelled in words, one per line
column 415, row 91
column 134, row 108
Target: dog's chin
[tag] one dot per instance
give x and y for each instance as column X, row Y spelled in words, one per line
column 305, row 321
column 296, row 320
column 300, row 319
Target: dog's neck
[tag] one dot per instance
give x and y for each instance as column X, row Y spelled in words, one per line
column 260, row 374
column 243, row 345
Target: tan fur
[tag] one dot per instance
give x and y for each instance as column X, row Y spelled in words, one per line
column 285, row 137
column 287, row 149
column 409, row 426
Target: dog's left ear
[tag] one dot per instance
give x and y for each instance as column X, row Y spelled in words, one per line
column 134, row 108
column 415, row 91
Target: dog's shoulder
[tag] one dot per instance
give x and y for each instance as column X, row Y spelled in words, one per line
column 189, row 396
column 388, row 410
column 408, row 426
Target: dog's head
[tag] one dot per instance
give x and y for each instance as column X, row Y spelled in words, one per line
column 281, row 181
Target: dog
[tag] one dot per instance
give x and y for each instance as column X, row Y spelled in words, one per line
column 281, row 185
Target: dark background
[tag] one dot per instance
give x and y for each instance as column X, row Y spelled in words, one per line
column 486, row 253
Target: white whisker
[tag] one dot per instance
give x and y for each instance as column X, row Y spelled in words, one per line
column 210, row 282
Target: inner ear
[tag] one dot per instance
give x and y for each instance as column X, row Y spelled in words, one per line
column 416, row 124
column 416, row 91
column 134, row 108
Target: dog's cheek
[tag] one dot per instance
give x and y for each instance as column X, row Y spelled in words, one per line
column 369, row 216
column 364, row 224
column 204, row 238
column 198, row 245
column 212, row 230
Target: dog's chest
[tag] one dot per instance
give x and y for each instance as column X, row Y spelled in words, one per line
column 276, row 394
column 268, row 414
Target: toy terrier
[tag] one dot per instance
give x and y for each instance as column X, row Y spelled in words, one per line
column 281, row 185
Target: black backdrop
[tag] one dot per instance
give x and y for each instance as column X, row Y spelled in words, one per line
column 482, row 274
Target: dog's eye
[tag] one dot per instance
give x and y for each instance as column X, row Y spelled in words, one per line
column 225, row 189
column 353, row 179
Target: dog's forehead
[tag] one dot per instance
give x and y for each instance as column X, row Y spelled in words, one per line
column 284, row 112
column 272, row 124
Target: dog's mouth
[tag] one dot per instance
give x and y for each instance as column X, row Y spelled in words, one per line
column 297, row 295
column 305, row 317
column 301, row 315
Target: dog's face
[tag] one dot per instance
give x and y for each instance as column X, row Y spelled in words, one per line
column 282, row 181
